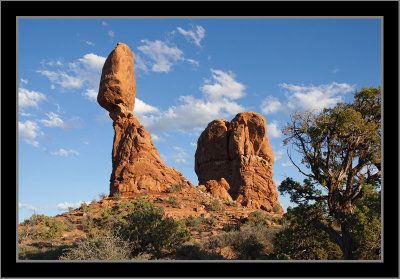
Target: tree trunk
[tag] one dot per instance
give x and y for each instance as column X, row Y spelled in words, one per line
column 347, row 245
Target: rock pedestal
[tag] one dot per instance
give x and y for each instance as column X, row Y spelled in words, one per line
column 136, row 163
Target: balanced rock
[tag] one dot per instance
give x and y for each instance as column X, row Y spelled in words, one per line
column 239, row 152
column 117, row 90
column 136, row 163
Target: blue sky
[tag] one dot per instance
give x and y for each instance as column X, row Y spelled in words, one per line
column 188, row 73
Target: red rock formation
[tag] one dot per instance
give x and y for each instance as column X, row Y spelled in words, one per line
column 218, row 189
column 240, row 152
column 136, row 164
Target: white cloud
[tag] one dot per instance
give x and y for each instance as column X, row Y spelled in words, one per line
column 54, row 120
column 111, row 33
column 84, row 71
column 164, row 56
column 24, row 81
column 104, row 23
column 92, row 62
column 91, row 95
column 194, row 144
column 193, row 62
column 195, row 35
column 179, row 157
column 63, row 152
column 156, row 138
column 89, row 43
column 143, row 108
column 224, row 85
column 193, row 114
column 273, row 130
column 336, row 70
column 28, row 98
column 66, row 205
column 140, row 63
column 25, row 114
column 28, row 131
column 316, row 97
column 27, row 206
column 271, row 105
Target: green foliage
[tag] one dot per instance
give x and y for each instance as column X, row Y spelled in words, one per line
column 301, row 240
column 256, row 218
column 341, row 150
column 144, row 225
column 214, row 205
column 366, row 225
column 40, row 227
column 116, row 196
column 249, row 242
column 40, row 251
column 176, row 188
column 276, row 208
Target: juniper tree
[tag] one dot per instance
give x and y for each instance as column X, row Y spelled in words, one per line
column 341, row 153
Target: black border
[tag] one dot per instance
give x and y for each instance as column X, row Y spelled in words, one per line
column 388, row 9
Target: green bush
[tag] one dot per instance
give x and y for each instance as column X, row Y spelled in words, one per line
column 116, row 196
column 41, row 227
column 143, row 224
column 276, row 208
column 214, row 205
column 176, row 188
column 256, row 218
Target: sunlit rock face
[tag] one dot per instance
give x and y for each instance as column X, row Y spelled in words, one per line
column 136, row 163
column 239, row 152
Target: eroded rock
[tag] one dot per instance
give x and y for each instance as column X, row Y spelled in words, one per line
column 136, row 163
column 239, row 152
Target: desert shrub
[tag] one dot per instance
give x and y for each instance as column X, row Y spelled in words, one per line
column 248, row 242
column 69, row 225
column 173, row 201
column 143, row 224
column 40, row 252
column 41, row 227
column 116, row 196
column 214, row 205
column 276, row 208
column 230, row 227
column 102, row 196
column 104, row 246
column 232, row 203
column 277, row 220
column 256, row 218
column 85, row 208
column 176, row 188
column 195, row 251
column 248, row 248
column 196, row 223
